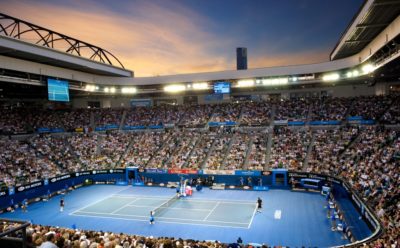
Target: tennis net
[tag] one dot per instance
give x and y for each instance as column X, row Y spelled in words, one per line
column 158, row 210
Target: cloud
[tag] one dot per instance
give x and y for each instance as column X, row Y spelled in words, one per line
column 150, row 39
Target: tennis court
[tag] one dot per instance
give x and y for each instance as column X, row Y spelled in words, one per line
column 236, row 214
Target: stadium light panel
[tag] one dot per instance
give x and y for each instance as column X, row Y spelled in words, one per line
column 368, row 68
column 128, row 90
column 355, row 73
column 106, row 90
column 174, row 88
column 113, row 90
column 275, row 81
column 331, row 77
column 246, row 83
column 90, row 87
column 200, row 86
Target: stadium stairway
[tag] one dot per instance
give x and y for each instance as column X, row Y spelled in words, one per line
column 92, row 122
column 227, row 150
column 248, row 152
column 196, row 143
column 309, row 150
column 269, row 145
column 121, row 124
column 204, row 162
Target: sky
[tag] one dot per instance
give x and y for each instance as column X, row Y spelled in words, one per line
column 164, row 37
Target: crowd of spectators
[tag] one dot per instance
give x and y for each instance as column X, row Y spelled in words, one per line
column 289, row 147
column 258, row 153
column 196, row 115
column 112, row 148
column 328, row 147
column 108, row 116
column 56, row 149
column 226, row 112
column 218, row 152
column 20, row 163
column 256, row 114
column 236, row 156
column 48, row 236
column 144, row 147
column 370, row 107
column 292, row 109
column 75, row 118
column 180, row 156
column 330, row 109
column 163, row 155
column 392, row 115
column 200, row 151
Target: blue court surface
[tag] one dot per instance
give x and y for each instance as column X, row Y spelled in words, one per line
column 287, row 218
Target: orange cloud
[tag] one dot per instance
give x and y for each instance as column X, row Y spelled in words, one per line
column 154, row 40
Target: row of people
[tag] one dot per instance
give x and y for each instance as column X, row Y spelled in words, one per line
column 379, row 108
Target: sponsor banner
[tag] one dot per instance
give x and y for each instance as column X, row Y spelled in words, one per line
column 107, row 127
column 281, row 122
column 159, row 171
column 49, row 130
column 79, row 130
column 59, row 178
column 111, row 126
column 182, row 171
column 126, row 127
column 217, row 172
column 100, row 172
column 266, row 173
column 354, row 118
column 367, row 122
column 260, row 188
column 370, row 220
column 225, row 123
column 156, row 126
column 319, row 123
column 104, row 182
column 141, row 102
column 296, row 123
column 118, row 171
column 213, row 98
column 29, row 186
column 247, row 173
column 82, row 173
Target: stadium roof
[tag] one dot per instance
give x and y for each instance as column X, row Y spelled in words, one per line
column 24, row 40
column 373, row 17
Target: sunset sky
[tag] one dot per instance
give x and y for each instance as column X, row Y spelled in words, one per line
column 161, row 37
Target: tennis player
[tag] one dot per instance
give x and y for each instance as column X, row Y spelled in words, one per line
column 62, row 204
column 151, row 217
column 259, row 205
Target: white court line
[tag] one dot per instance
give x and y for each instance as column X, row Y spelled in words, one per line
column 95, row 202
column 124, row 205
column 252, row 217
column 174, row 222
column 169, row 218
column 194, row 209
column 212, row 210
column 186, row 199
